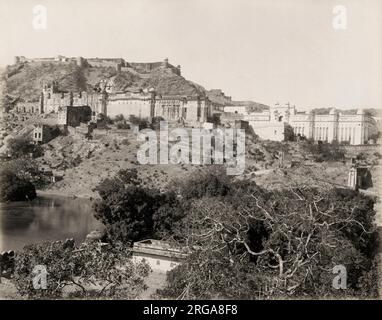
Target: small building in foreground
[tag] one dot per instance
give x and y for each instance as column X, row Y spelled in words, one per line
column 160, row 255
column 41, row 133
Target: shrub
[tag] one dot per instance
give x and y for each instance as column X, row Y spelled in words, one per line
column 361, row 156
column 119, row 117
column 142, row 123
column 324, row 151
column 155, row 123
column 123, row 125
column 22, row 146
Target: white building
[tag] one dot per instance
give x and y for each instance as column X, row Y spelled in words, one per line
column 354, row 129
column 160, row 255
column 236, row 109
column 130, row 103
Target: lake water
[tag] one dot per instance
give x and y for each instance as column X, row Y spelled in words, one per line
column 45, row 218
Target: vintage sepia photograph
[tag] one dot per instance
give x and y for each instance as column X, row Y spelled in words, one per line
column 170, row 150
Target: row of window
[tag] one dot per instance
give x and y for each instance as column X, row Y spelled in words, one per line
column 298, row 130
column 322, row 133
column 24, row 109
column 346, row 134
column 130, row 102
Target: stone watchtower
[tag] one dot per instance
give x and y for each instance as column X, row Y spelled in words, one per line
column 48, row 90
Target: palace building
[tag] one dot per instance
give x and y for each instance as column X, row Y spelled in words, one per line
column 345, row 127
column 354, row 129
column 138, row 102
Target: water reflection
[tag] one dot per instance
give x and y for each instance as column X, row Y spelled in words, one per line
column 45, row 218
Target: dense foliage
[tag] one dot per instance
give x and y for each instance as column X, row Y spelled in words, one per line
column 91, row 270
column 248, row 242
column 27, row 169
column 15, row 188
column 142, row 123
column 22, row 146
column 267, row 244
column 132, row 212
column 324, row 151
column 289, row 134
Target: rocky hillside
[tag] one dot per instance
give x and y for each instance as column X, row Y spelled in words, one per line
column 218, row 96
column 23, row 81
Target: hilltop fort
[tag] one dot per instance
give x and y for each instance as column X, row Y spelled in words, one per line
column 118, row 63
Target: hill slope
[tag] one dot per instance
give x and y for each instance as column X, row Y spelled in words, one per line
column 23, row 81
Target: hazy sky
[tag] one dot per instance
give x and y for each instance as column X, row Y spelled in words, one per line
column 263, row 50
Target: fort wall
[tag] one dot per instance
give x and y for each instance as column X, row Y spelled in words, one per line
column 118, row 63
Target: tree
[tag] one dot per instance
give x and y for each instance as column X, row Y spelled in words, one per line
column 90, row 270
column 289, row 133
column 168, row 218
column 258, row 243
column 129, row 210
column 211, row 182
column 14, row 187
column 21, row 146
column 26, row 169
